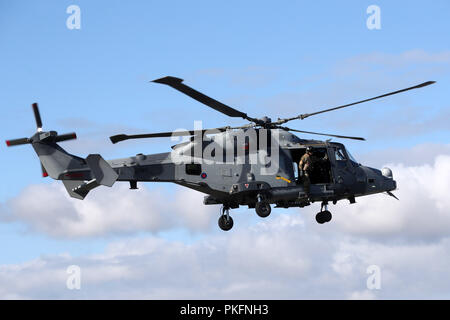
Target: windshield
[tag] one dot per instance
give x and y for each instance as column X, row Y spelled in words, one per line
column 351, row 157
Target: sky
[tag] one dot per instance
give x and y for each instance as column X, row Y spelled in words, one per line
column 264, row 58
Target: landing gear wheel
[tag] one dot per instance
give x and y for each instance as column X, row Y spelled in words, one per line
column 263, row 209
column 323, row 217
column 225, row 222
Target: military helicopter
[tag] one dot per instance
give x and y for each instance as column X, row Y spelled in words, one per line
column 254, row 165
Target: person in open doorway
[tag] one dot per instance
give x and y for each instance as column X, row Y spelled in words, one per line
column 305, row 166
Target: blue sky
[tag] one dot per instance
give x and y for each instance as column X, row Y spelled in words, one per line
column 265, row 58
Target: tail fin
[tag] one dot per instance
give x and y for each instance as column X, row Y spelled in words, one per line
column 56, row 161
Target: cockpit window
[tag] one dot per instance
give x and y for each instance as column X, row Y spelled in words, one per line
column 342, row 154
column 339, row 154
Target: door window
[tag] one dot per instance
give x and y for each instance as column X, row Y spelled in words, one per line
column 193, row 169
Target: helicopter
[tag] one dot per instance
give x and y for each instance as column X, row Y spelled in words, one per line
column 254, row 165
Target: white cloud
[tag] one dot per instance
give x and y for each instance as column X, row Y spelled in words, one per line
column 262, row 262
column 48, row 209
column 271, row 261
column 418, row 155
column 422, row 212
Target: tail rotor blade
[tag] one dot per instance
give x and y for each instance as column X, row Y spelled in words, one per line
column 65, row 137
column 17, row 142
column 37, row 116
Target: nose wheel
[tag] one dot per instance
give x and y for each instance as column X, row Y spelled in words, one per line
column 324, row 215
column 225, row 220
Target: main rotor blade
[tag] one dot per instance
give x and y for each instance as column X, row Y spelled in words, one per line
column 122, row 137
column 306, row 115
column 324, row 134
column 37, row 116
column 178, row 84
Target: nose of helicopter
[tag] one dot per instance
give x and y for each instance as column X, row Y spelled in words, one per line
column 389, row 182
column 379, row 180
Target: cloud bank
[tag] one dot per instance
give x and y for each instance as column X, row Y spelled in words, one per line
column 278, row 259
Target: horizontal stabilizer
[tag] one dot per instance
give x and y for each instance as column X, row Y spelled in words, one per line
column 79, row 189
column 101, row 170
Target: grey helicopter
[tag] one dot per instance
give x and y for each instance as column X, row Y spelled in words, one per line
column 254, row 165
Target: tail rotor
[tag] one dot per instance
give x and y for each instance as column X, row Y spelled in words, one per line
column 41, row 136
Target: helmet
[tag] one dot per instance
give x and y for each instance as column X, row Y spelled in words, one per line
column 309, row 149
